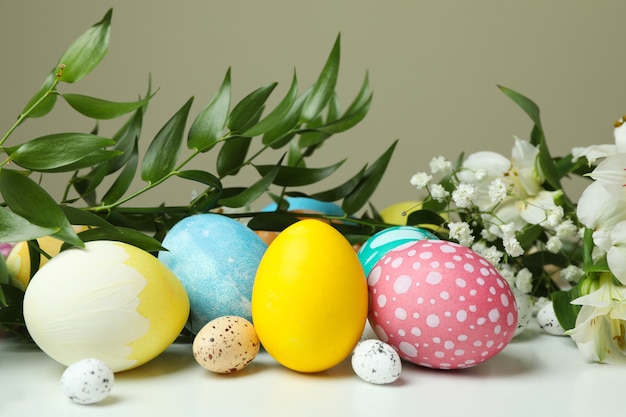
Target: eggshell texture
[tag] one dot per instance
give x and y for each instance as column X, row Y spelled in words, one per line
column 18, row 260
column 398, row 213
column 382, row 242
column 226, row 344
column 376, row 362
column 215, row 257
column 87, row 381
column 441, row 305
column 309, row 301
column 546, row 318
column 110, row 301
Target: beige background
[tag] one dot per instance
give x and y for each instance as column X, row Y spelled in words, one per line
column 434, row 67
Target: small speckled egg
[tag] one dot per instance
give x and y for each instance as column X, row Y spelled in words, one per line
column 226, row 344
column 524, row 311
column 215, row 258
column 546, row 318
column 87, row 381
column 441, row 305
column 382, row 242
column 376, row 362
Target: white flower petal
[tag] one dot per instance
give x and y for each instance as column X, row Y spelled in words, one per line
column 600, row 211
column 616, row 255
column 594, row 152
column 611, row 173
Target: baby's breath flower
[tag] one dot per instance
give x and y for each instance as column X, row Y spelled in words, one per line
column 554, row 244
column 554, row 216
column 480, row 174
column 572, row 273
column 421, row 180
column 524, row 281
column 507, row 231
column 438, row 192
column 488, row 235
column 512, row 246
column 440, row 165
column 497, row 190
column 464, row 195
column 508, row 274
column 490, row 253
column 566, row 229
column 461, row 232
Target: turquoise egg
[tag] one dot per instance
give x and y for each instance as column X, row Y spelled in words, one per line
column 309, row 204
column 382, row 242
column 215, row 258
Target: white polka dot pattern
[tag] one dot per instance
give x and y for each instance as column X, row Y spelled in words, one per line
column 441, row 305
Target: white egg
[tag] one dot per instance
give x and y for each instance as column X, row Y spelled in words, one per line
column 87, row 381
column 524, row 311
column 376, row 362
column 546, row 318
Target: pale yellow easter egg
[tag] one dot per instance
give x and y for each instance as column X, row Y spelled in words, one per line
column 110, row 301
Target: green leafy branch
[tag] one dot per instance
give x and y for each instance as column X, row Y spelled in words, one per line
column 294, row 129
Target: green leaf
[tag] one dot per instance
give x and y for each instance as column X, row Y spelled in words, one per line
column 250, row 194
column 208, row 126
column 94, row 158
column 423, row 217
column 529, row 235
column 123, row 234
column 86, row 52
column 203, row 177
column 296, row 176
column 4, row 272
column 566, row 312
column 349, row 120
column 82, row 217
column 366, row 187
column 96, row 108
column 324, row 87
column 342, row 190
column 280, row 112
column 279, row 135
column 232, row 155
column 26, row 198
column 160, row 157
column 45, row 106
column 126, row 141
column 11, row 312
column 57, row 150
column 124, row 180
column 245, row 113
column 529, row 106
column 15, row 228
column 272, row 221
column 87, row 184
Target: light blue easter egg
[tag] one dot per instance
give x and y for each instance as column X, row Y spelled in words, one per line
column 215, row 258
column 382, row 242
column 309, row 204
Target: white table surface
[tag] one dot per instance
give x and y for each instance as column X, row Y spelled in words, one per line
column 535, row 375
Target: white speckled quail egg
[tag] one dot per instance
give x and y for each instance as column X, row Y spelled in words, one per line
column 376, row 362
column 87, row 381
column 546, row 317
column 524, row 311
column 226, row 344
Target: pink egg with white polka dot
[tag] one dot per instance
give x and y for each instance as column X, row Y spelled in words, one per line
column 441, row 305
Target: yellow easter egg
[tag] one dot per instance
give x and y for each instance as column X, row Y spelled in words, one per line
column 110, row 301
column 310, row 297
column 18, row 260
column 398, row 213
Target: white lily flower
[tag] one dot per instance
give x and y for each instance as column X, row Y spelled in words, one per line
column 611, row 173
column 601, row 323
column 524, row 170
column 600, row 211
column 535, row 209
column 616, row 255
column 595, row 152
